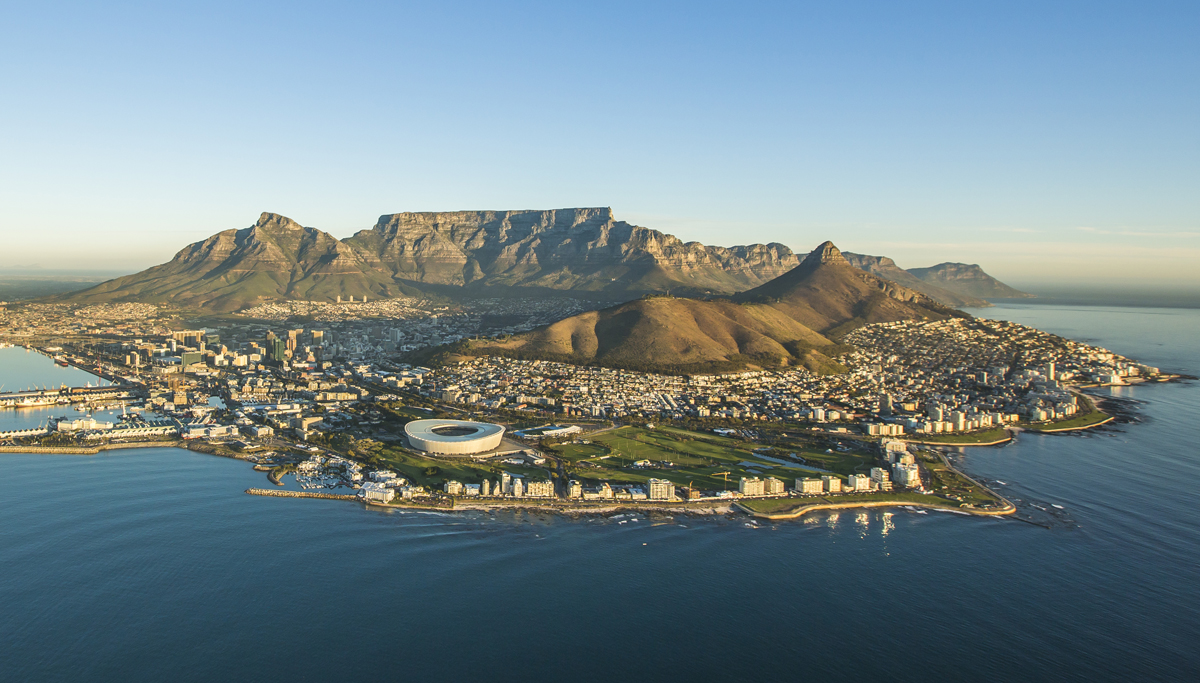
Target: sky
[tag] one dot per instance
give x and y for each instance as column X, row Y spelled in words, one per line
column 1049, row 142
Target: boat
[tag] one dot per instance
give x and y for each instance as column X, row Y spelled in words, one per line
column 1057, row 506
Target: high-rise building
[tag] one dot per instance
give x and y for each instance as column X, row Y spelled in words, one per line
column 277, row 350
column 773, row 486
column 518, row 487
column 810, row 485
column 858, row 482
column 661, row 489
column 505, row 483
column 832, row 484
column 881, row 479
column 750, row 486
column 907, row 475
column 485, row 489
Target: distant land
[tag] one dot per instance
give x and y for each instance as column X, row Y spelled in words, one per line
column 582, row 252
column 792, row 320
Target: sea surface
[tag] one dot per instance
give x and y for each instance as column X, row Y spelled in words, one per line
column 24, row 369
column 152, row 564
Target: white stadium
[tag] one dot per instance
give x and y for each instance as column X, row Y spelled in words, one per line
column 453, row 437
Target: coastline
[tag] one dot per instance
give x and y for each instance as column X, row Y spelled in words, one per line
column 705, row 508
column 801, row 511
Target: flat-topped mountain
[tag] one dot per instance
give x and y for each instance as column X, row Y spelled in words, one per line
column 789, row 321
column 968, row 280
column 533, row 252
column 574, row 249
column 585, row 252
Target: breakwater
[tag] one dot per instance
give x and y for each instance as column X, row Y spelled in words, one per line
column 300, row 494
column 87, row 450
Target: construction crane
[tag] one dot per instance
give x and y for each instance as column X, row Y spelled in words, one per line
column 724, row 475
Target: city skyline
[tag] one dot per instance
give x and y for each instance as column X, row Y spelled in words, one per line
column 1048, row 146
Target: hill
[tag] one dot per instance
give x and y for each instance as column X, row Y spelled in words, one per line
column 667, row 334
column 831, row 296
column 276, row 258
column 887, row 269
column 780, row 323
column 967, row 280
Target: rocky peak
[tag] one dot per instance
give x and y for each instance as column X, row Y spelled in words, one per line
column 825, row 254
column 273, row 222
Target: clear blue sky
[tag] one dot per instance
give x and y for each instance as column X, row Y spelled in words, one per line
column 1045, row 140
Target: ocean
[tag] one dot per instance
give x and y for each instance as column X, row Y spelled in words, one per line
column 152, row 564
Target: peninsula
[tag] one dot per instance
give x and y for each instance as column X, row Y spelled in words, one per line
column 781, row 385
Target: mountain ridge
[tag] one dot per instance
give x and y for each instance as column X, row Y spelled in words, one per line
column 557, row 252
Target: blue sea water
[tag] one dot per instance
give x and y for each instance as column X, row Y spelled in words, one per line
column 22, row 369
column 152, row 564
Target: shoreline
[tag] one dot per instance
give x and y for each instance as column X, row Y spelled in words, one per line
column 801, row 511
column 1105, row 421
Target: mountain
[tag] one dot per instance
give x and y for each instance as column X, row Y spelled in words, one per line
column 274, row 259
column 887, row 269
column 831, row 296
column 791, row 320
column 523, row 253
column 567, row 249
column 573, row 252
column 967, row 280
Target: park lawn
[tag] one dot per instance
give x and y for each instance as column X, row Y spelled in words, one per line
column 405, row 413
column 703, row 477
column 840, row 462
column 675, row 445
column 974, row 437
column 697, row 458
column 947, row 481
column 412, row 467
column 574, row 452
column 1078, row 422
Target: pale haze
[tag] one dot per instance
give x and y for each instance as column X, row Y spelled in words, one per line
column 1048, row 142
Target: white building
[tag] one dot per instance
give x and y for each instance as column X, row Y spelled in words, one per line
column 751, row 486
column 376, row 492
column 810, row 485
column 858, row 482
column 661, row 489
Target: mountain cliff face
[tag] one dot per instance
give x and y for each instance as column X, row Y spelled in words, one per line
column 886, row 268
column 576, row 249
column 522, row 252
column 276, row 258
column 967, row 280
column 525, row 253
